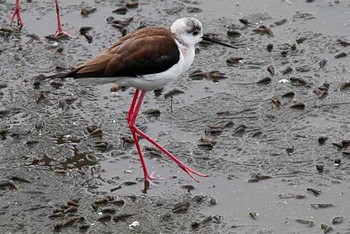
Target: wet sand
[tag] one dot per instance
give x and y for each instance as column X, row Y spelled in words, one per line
column 273, row 168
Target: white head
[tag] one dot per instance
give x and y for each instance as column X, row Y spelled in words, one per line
column 188, row 31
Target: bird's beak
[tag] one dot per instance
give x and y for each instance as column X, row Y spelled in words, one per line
column 206, row 38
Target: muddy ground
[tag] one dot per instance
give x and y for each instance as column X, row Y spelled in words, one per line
column 272, row 168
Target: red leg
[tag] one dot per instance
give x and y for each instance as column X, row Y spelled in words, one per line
column 60, row 31
column 16, row 13
column 182, row 165
column 136, row 131
column 132, row 114
column 132, row 106
column 136, row 107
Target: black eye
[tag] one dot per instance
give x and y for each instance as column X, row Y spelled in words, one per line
column 194, row 33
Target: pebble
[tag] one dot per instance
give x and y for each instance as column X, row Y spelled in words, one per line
column 2, row 85
column 341, row 55
column 299, row 106
column 338, row 220
column 134, row 225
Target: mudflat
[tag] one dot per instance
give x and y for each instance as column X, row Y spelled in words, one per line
column 268, row 122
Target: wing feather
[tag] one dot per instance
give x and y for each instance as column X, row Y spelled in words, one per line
column 145, row 51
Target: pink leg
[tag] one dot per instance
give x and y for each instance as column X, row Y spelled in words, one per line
column 136, row 131
column 16, row 13
column 132, row 114
column 132, row 106
column 60, row 31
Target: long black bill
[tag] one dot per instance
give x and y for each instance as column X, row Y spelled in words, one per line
column 206, row 38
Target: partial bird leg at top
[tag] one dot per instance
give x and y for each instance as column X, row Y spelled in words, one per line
column 16, row 13
column 131, row 117
column 60, row 31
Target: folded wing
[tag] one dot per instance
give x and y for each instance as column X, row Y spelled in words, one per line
column 145, row 51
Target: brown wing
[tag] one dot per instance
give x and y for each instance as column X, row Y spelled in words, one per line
column 145, row 51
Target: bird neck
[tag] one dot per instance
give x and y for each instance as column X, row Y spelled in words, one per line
column 187, row 53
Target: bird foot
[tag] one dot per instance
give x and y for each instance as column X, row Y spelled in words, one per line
column 148, row 180
column 17, row 15
column 150, row 177
column 190, row 171
column 60, row 33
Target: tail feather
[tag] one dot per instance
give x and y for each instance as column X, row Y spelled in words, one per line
column 37, row 80
column 73, row 74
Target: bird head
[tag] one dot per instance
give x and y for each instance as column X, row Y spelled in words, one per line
column 188, row 31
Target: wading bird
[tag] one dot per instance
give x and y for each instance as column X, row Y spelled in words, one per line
column 146, row 59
